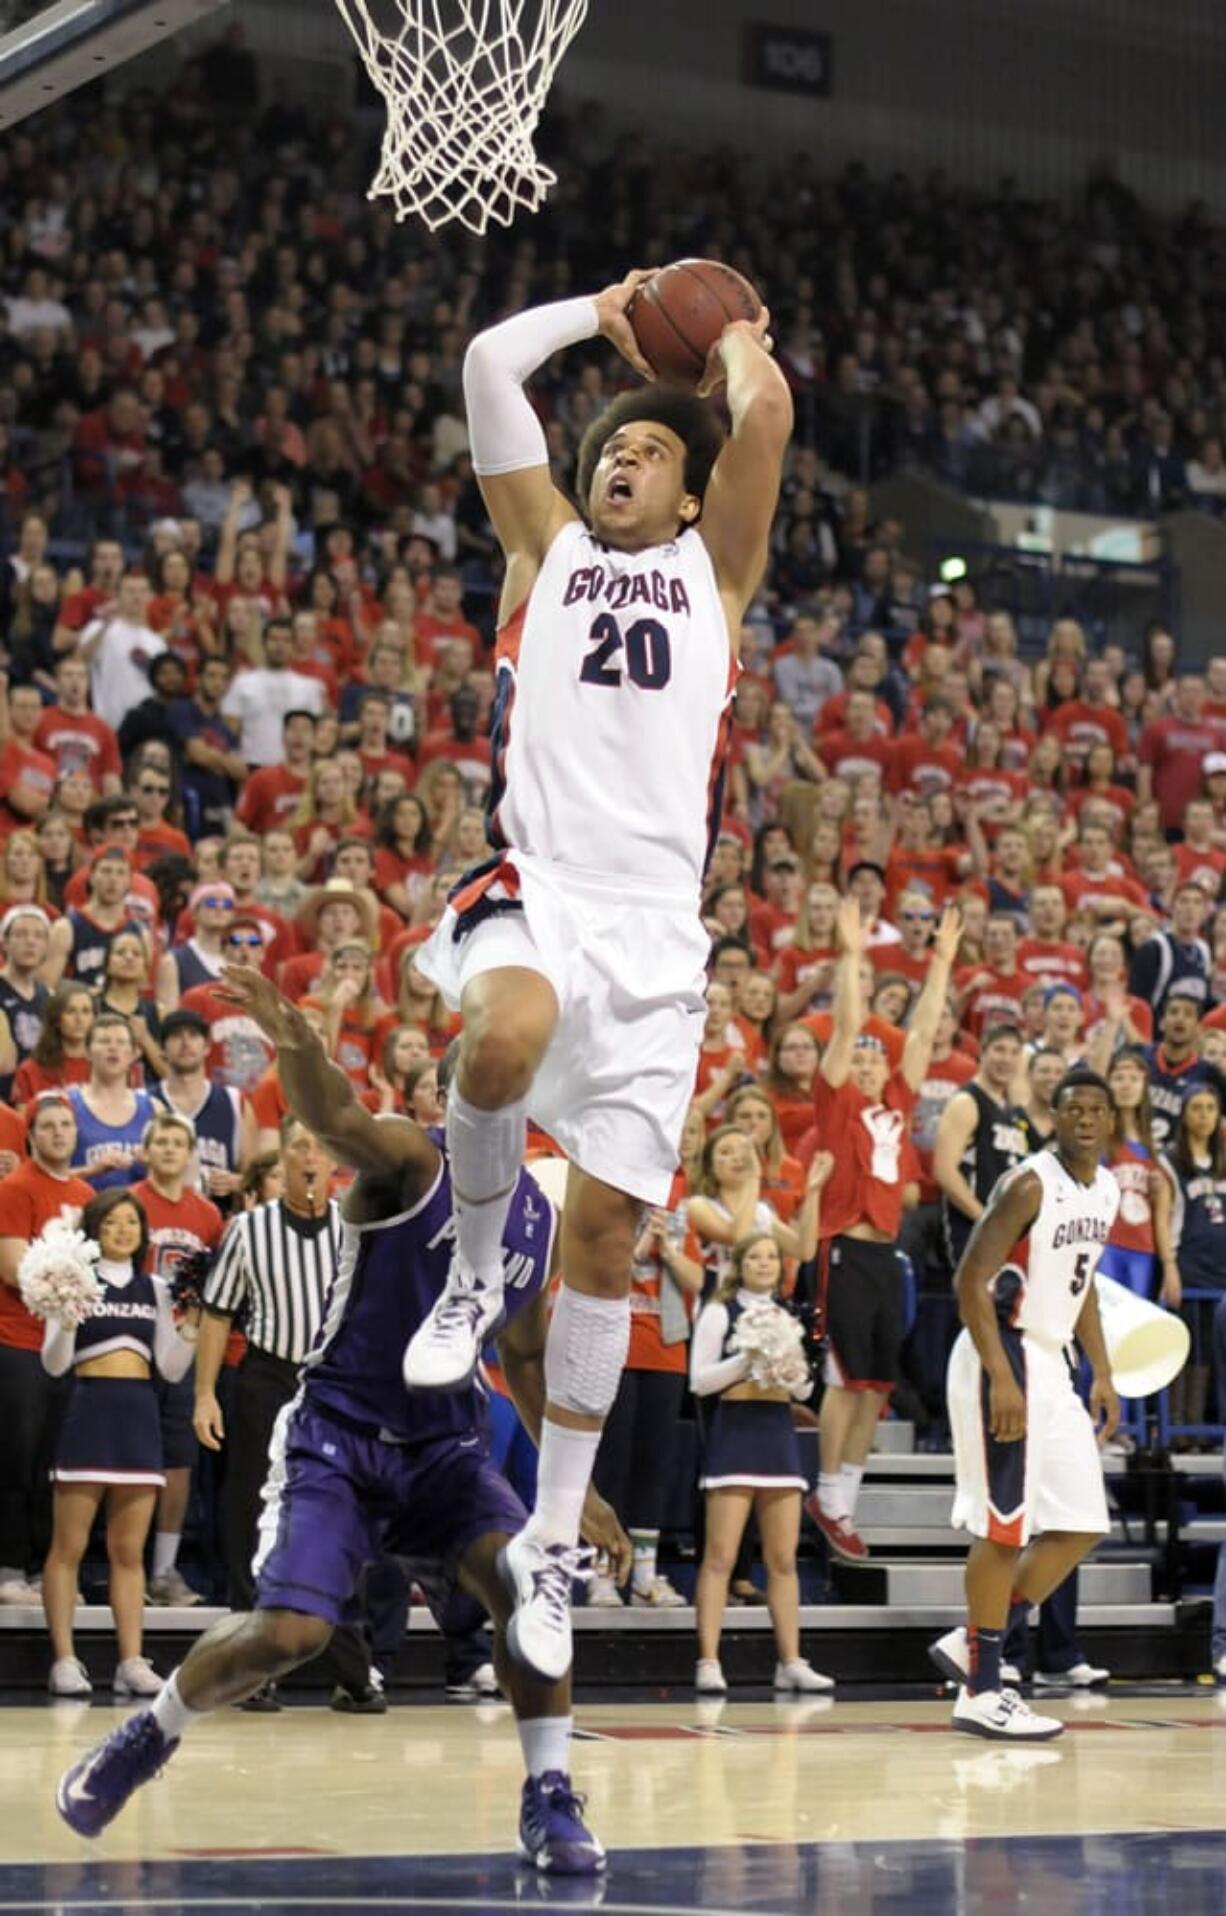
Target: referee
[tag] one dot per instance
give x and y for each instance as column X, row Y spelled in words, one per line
column 277, row 1263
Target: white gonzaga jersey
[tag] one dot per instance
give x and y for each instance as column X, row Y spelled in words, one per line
column 612, row 714
column 1060, row 1256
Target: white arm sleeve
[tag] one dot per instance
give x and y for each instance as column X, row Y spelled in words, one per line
column 709, row 1372
column 172, row 1353
column 59, row 1347
column 503, row 430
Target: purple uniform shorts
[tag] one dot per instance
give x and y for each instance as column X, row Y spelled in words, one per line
column 338, row 1495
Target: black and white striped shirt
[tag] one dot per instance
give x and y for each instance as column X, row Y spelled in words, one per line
column 281, row 1266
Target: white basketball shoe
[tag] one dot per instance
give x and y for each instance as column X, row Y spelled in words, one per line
column 1002, row 1716
column 446, row 1347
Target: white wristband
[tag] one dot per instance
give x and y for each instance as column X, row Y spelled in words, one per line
column 503, row 430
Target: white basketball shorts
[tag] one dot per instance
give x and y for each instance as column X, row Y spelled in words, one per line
column 1052, row 1479
column 628, row 966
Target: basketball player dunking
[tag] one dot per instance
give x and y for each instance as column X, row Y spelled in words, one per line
column 1029, row 1477
column 359, row 1468
column 577, row 954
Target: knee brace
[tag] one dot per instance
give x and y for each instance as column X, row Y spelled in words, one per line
column 585, row 1352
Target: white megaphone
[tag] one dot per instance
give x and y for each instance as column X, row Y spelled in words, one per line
column 1148, row 1347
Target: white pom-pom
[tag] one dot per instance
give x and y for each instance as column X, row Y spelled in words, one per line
column 56, row 1275
column 773, row 1340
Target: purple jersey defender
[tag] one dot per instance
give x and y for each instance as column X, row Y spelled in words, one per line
column 357, row 1464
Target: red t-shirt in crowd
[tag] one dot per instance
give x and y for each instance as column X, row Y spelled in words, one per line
column 833, row 714
column 22, row 765
column 869, row 1143
column 29, row 1198
column 268, row 797
column 31, row 1077
column 1078, row 887
column 920, row 767
column 239, row 1052
column 78, row 742
column 935, row 872
column 996, row 1001
column 849, row 758
column 1118, row 804
column 1053, row 960
column 1201, row 868
column 177, row 1230
column 812, row 965
column 1175, row 751
column 1079, row 726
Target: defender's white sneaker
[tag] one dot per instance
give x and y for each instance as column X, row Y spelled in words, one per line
column 709, row 1678
column 799, row 1677
column 1002, row 1716
column 1082, row 1676
column 445, row 1349
column 539, row 1577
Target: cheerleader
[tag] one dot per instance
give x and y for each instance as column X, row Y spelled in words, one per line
column 752, row 1459
column 110, row 1446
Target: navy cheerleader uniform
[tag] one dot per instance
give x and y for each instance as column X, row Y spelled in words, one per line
column 112, row 1429
column 751, row 1443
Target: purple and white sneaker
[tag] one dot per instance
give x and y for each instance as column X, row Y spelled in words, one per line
column 552, row 1833
column 92, row 1793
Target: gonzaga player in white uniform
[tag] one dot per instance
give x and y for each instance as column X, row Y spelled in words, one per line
column 576, row 955
column 1029, row 1477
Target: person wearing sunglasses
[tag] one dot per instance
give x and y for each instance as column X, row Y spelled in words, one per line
column 156, row 832
column 199, row 959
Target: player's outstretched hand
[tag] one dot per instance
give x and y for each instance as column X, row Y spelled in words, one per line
column 1007, row 1410
column 1104, row 1409
column 601, row 1527
column 255, row 994
column 612, row 310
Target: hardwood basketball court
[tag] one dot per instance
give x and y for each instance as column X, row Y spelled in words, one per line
column 847, row 1806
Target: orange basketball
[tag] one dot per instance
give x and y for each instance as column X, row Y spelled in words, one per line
column 680, row 312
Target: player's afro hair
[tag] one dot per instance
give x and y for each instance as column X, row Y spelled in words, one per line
column 1081, row 1078
column 684, row 413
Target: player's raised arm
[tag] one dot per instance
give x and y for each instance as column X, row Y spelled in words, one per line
column 739, row 506
column 1011, row 1211
column 320, row 1093
column 510, row 457
column 848, row 1015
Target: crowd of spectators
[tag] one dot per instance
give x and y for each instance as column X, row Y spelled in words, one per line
column 246, row 624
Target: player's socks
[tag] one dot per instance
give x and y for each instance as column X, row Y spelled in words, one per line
column 646, row 1544
column 172, row 1715
column 850, row 1476
column 165, row 1551
column 486, row 1150
column 545, row 1742
column 983, row 1647
column 830, row 1493
column 563, row 1473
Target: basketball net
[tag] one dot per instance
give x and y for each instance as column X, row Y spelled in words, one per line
column 464, row 82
